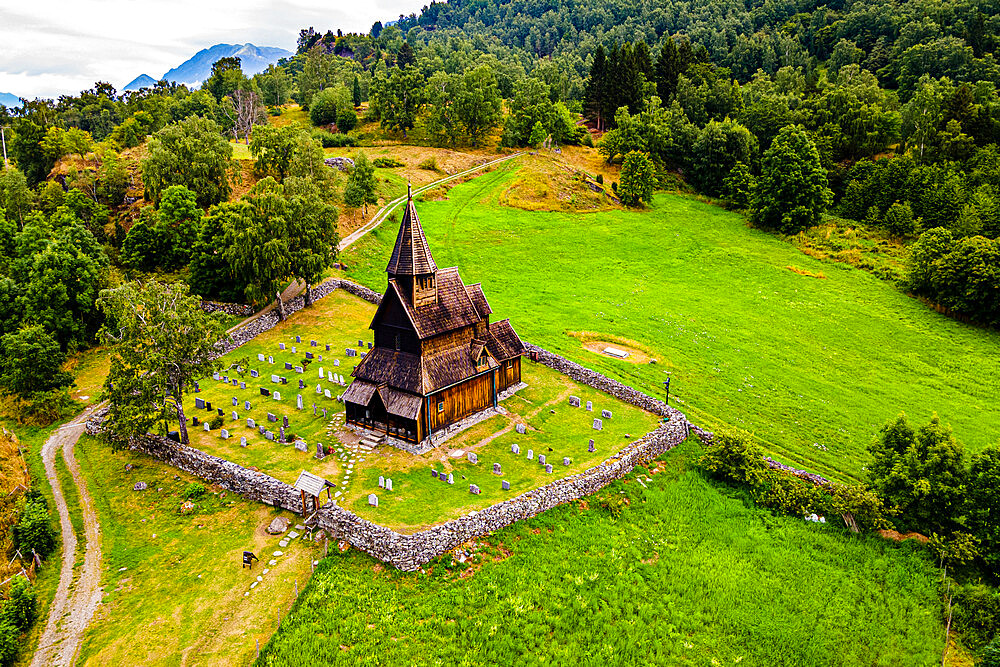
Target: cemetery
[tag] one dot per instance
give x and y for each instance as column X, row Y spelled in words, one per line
column 545, row 410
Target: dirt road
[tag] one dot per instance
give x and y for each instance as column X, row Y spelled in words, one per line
column 71, row 611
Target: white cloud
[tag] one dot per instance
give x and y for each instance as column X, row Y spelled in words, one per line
column 63, row 47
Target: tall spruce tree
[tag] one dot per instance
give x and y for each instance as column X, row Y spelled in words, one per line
column 597, row 88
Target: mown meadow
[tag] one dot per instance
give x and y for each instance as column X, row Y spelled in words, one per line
column 812, row 356
column 688, row 573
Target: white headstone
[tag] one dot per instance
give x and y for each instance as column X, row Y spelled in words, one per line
column 373, row 500
column 207, row 427
column 320, row 372
column 260, row 357
column 514, row 449
column 472, row 457
column 243, row 441
column 606, row 414
column 590, row 406
column 298, row 401
column 598, row 425
column 388, row 485
column 225, row 434
column 531, row 455
column 381, row 482
column 281, row 346
column 336, row 362
column 520, row 429
column 326, row 392
column 276, row 395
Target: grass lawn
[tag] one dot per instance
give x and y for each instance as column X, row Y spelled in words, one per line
column 173, row 583
column 552, row 427
column 690, row 573
column 814, row 366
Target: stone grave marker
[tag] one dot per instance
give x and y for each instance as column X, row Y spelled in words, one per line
column 574, row 401
column 199, row 403
column 441, row 477
column 225, row 378
column 548, row 468
column 312, row 343
column 281, row 346
column 531, row 455
column 298, row 339
column 324, row 413
column 298, row 401
column 590, row 406
column 520, row 429
column 271, row 417
column 373, row 500
column 381, row 482
column 236, row 401
column 261, row 429
column 208, row 405
column 314, row 409
column 319, row 450
column 284, row 421
column 197, row 387
column 361, row 343
column 270, row 359
column 565, row 460
column 254, row 373
column 309, row 355
column 606, row 414
column 474, row 489
column 319, row 389
column 541, row 459
column 590, row 448
column 598, row 425
column 351, row 352
column 235, row 382
column 277, row 395
column 284, row 380
column 326, row 392
column 194, row 421
column 299, row 369
column 473, row 458
column 293, row 349
column 269, row 435
column 496, row 469
column 243, row 385
column 246, row 405
column 274, row 378
column 251, row 423
column 225, row 434
column 505, row 485
column 369, row 346
column 207, row 426
column 451, row 478
column 321, row 374
column 236, row 416
column 336, row 362
column 288, row 365
column 220, row 412
column 302, row 385
column 514, row 449
column 434, row 473
column 281, row 433
column 301, row 446
column 216, row 376
column 388, row 485
column 243, row 441
column 327, row 347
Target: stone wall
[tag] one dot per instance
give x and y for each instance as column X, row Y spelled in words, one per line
column 238, row 309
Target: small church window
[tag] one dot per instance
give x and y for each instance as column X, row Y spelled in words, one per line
column 440, row 406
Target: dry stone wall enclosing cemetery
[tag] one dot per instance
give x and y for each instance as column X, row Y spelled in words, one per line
column 410, row 552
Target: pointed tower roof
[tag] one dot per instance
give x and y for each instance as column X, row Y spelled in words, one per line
column 411, row 256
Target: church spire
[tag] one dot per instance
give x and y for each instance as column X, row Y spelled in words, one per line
column 411, row 256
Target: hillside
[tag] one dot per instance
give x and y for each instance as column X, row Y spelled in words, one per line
column 198, row 67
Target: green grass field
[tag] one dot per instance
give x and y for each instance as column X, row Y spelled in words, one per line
column 814, row 366
column 690, row 573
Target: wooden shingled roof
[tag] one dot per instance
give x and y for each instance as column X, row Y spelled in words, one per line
column 411, row 256
column 479, row 299
column 452, row 310
column 503, row 342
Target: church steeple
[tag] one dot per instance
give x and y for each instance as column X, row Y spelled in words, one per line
column 411, row 263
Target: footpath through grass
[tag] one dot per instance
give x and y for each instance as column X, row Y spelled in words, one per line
column 813, row 365
column 690, row 573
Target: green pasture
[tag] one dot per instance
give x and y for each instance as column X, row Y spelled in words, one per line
column 690, row 573
column 553, row 428
column 814, row 366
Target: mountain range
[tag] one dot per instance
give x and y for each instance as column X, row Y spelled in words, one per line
column 193, row 71
column 9, row 101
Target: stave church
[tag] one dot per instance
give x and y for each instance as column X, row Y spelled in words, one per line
column 437, row 358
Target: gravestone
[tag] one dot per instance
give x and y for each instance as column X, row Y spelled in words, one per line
column 284, row 421
column 302, row 385
column 271, row 417
column 373, row 500
column 277, row 395
column 320, row 357
column 298, row 339
column 590, row 406
column 336, row 362
column 598, row 425
column 441, row 477
column 327, row 347
column 270, row 359
column 351, row 352
column 251, row 423
column 541, row 459
column 314, row 409
column 548, row 469
column 505, row 485
column 606, row 414
column 565, row 460
column 260, row 357
column 283, row 379
column 235, row 382
column 195, row 421
column 207, row 426
column 309, row 355
column 514, row 449
column 319, row 450
column 220, row 412
column 301, row 446
column 361, row 343
column 281, row 346
column 254, row 373
column 321, row 375
column 496, row 469
column 474, row 489
column 288, row 365
column 236, row 416
column 243, row 441
column 381, row 482
column 319, row 389
column 590, row 448
column 269, row 436
column 246, row 405
column 312, row 343
column 299, row 369
column 388, row 485
column 369, row 346
column 225, row 434
column 197, row 387
column 261, row 429
column 274, row 378
column 451, row 478
column 326, row 392
column 236, row 401
column 298, row 401
column 574, row 401
column 243, row 385
column 281, row 434
column 293, row 349
column 520, row 429
column 531, row 455
column 324, row 413
column 473, row 458
column 208, row 405
column 199, row 403
column 434, row 474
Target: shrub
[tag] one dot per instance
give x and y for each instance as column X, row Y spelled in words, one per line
column 8, row 644
column 429, row 164
column 331, row 140
column 733, row 456
column 34, row 530
column 386, row 162
column 991, row 654
column 976, row 614
column 217, row 422
column 21, row 607
column 587, row 140
column 347, row 120
column 194, row 491
column 323, row 107
column 600, row 179
column 614, row 503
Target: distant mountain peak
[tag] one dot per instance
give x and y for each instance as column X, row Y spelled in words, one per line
column 141, row 81
column 253, row 59
column 9, row 101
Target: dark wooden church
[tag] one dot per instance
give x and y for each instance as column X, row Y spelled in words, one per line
column 437, row 358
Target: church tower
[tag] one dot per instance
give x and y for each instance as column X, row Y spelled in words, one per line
column 412, row 265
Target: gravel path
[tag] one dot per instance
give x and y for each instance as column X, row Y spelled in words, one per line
column 71, row 611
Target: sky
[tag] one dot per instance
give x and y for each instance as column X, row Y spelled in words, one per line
column 61, row 47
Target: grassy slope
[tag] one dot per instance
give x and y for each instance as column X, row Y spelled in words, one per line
column 801, row 361
column 687, row 575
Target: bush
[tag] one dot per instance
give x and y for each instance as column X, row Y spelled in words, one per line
column 217, row 422
column 991, row 654
column 429, row 164
column 587, row 140
column 21, row 607
column 34, row 530
column 976, row 615
column 733, row 456
column 331, row 140
column 347, row 120
column 323, row 107
column 8, row 644
column 600, row 179
column 194, row 491
column 386, row 163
